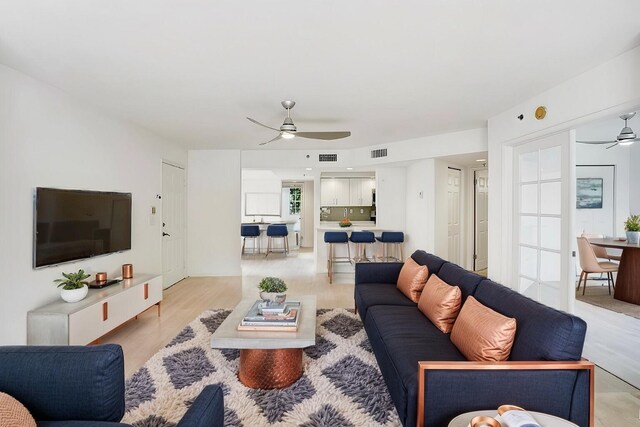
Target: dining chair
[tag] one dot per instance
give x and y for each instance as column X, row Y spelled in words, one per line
column 589, row 264
column 600, row 251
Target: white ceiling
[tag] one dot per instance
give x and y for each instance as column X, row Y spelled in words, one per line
column 192, row 70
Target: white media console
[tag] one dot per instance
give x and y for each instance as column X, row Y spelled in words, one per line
column 80, row 323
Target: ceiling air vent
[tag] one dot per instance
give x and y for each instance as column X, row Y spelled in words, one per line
column 381, row 152
column 327, row 157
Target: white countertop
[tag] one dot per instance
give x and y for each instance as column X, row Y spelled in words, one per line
column 332, row 226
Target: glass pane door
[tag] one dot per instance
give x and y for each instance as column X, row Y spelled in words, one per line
column 541, row 219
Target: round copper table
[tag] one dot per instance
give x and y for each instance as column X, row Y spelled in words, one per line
column 269, row 369
column 628, row 279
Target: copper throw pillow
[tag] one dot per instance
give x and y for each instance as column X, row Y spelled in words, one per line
column 412, row 279
column 482, row 334
column 440, row 302
column 13, row 413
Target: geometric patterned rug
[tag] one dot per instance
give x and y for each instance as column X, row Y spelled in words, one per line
column 341, row 385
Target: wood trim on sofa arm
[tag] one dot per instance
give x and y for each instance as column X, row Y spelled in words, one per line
column 424, row 367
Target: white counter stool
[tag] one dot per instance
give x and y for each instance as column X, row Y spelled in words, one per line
column 333, row 238
column 391, row 245
column 361, row 239
column 277, row 231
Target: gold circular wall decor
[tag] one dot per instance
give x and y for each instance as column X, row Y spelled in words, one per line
column 541, row 112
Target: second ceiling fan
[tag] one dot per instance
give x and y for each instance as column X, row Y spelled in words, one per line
column 289, row 130
column 626, row 136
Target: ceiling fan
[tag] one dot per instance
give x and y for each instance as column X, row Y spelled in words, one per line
column 626, row 136
column 288, row 130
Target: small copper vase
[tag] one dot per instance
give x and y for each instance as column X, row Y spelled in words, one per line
column 101, row 277
column 127, row 271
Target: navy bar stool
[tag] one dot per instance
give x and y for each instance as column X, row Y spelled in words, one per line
column 333, row 238
column 391, row 240
column 361, row 239
column 250, row 231
column 277, row 231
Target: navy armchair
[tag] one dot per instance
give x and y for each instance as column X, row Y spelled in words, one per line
column 84, row 386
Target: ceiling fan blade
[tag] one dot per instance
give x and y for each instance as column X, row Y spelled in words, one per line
column 274, row 139
column 596, row 142
column 323, row 135
column 611, row 146
column 260, row 124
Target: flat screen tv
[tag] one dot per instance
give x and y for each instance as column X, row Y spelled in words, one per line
column 75, row 224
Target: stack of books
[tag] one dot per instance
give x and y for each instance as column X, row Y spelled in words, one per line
column 271, row 317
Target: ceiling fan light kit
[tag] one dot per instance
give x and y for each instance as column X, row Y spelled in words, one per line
column 288, row 130
column 625, row 138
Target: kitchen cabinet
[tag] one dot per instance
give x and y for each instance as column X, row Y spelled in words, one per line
column 334, row 192
column 361, row 191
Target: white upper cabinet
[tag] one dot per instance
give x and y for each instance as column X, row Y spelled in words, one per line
column 361, row 191
column 334, row 192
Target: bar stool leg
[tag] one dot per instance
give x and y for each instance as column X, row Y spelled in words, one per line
column 244, row 240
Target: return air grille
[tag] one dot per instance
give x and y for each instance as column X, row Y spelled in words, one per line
column 327, row 157
column 381, row 152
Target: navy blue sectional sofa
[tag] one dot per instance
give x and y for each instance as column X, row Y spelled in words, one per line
column 65, row 386
column 431, row 382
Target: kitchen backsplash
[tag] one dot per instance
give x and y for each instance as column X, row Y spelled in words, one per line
column 336, row 213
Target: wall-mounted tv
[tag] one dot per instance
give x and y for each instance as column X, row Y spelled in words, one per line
column 75, row 224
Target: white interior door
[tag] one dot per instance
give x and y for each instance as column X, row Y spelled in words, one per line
column 542, row 229
column 453, row 215
column 173, row 224
column 481, row 219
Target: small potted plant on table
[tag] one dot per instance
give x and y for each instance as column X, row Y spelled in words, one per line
column 74, row 287
column 272, row 290
column 632, row 226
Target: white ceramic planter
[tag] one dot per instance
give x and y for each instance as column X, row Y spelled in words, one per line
column 74, row 295
column 633, row 237
column 273, row 297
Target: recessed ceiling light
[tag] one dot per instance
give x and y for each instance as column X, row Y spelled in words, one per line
column 349, row 169
column 481, row 160
column 308, row 169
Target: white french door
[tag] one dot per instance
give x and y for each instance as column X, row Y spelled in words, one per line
column 481, row 219
column 542, row 219
column 173, row 224
column 453, row 215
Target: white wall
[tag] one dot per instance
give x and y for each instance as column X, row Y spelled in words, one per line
column 213, row 200
column 391, row 201
column 598, row 155
column 50, row 139
column 258, row 181
column 634, row 179
column 609, row 89
column 420, row 212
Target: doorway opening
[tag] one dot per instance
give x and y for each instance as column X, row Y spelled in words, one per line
column 480, row 220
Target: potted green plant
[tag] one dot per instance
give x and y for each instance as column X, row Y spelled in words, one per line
column 272, row 290
column 74, row 287
column 632, row 227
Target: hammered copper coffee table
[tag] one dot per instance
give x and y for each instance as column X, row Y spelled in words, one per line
column 268, row 360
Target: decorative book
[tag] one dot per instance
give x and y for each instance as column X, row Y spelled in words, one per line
column 258, row 319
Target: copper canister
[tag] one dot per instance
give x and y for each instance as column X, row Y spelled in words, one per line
column 101, row 277
column 127, row 271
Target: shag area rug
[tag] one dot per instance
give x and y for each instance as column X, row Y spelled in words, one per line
column 341, row 385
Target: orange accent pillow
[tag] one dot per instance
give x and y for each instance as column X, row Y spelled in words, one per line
column 440, row 302
column 13, row 413
column 482, row 334
column 412, row 279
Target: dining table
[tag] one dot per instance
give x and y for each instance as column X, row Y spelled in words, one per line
column 627, row 287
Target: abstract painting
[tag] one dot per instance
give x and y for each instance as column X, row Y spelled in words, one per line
column 589, row 193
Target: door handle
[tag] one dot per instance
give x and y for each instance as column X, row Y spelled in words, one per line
column 165, row 234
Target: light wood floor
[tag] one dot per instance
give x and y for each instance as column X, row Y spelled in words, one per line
column 617, row 403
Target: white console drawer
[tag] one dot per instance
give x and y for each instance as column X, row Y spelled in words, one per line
column 86, row 326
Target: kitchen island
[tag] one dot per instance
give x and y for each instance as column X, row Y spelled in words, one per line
column 320, row 247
